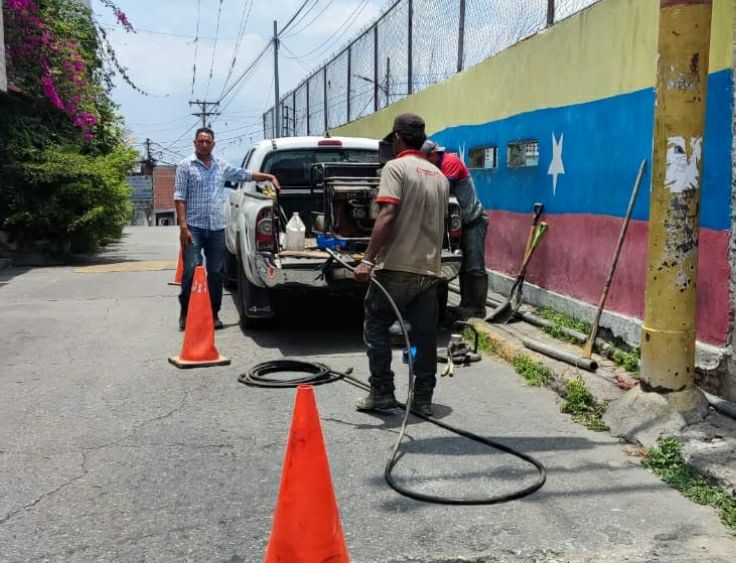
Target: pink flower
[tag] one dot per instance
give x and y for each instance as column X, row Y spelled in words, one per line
column 21, row 5
column 47, row 85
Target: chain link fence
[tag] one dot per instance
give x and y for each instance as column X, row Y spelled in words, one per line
column 412, row 45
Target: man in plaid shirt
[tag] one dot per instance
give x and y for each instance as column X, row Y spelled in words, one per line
column 199, row 197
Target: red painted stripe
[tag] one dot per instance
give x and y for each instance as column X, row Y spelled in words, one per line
column 575, row 254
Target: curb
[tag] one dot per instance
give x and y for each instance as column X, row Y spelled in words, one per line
column 708, row 447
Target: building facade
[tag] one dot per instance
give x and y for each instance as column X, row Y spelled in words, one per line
column 565, row 118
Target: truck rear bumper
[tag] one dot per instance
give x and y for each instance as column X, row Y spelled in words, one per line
column 318, row 272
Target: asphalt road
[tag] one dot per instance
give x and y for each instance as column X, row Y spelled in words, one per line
column 108, row 453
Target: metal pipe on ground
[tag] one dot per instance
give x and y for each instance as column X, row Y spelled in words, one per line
column 604, row 347
column 557, row 354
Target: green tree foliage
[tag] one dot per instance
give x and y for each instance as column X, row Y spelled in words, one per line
column 63, row 159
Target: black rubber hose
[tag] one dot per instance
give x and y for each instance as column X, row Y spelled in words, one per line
column 320, row 373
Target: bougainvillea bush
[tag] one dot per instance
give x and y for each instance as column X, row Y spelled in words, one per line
column 63, row 160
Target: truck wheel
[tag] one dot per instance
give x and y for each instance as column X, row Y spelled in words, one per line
column 245, row 291
column 230, row 274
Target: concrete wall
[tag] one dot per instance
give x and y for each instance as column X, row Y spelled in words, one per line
column 584, row 90
column 3, row 77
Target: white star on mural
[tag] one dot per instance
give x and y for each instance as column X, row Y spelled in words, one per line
column 555, row 166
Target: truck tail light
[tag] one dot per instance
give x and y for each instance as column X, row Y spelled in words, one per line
column 455, row 222
column 265, row 236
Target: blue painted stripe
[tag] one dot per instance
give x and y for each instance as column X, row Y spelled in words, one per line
column 604, row 143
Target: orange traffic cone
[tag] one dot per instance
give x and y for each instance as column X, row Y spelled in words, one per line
column 179, row 270
column 306, row 524
column 198, row 349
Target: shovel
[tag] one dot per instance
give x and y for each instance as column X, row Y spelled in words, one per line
column 506, row 310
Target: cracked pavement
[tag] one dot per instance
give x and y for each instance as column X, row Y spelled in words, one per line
column 108, row 453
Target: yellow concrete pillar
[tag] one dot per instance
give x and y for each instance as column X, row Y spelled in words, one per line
column 668, row 334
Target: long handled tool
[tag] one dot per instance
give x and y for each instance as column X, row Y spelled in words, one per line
column 507, row 309
column 588, row 348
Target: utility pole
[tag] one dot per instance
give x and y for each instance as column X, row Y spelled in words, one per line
column 276, row 108
column 667, row 384
column 148, row 161
column 204, row 113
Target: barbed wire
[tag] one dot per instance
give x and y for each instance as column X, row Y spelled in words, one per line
column 412, row 45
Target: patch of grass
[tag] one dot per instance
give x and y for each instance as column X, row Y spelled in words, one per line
column 485, row 342
column 535, row 373
column 562, row 320
column 629, row 360
column 665, row 460
column 582, row 405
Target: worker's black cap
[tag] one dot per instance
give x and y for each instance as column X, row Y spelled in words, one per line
column 407, row 125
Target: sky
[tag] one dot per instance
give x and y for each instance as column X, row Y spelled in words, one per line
column 160, row 58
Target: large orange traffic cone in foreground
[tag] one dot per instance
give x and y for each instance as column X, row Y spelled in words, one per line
column 179, row 269
column 198, row 349
column 306, row 524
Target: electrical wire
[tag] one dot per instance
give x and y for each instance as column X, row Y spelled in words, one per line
column 307, row 25
column 214, row 50
column 196, row 49
column 335, row 37
column 246, row 72
column 321, row 374
column 284, row 28
column 245, row 16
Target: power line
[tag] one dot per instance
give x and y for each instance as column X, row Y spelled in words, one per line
column 214, row 50
column 247, row 8
column 196, row 48
column 314, row 19
column 345, row 26
column 245, row 73
column 284, row 28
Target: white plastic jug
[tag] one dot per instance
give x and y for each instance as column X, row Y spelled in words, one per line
column 295, row 231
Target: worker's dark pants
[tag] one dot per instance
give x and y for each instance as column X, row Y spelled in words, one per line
column 473, row 244
column 416, row 296
column 212, row 244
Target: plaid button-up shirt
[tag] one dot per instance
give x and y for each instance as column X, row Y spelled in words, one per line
column 203, row 190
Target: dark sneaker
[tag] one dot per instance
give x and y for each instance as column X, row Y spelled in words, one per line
column 218, row 323
column 376, row 402
column 424, row 409
column 422, row 405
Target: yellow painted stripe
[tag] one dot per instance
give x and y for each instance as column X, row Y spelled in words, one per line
column 126, row 267
column 604, row 51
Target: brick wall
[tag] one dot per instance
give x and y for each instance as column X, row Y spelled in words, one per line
column 163, row 187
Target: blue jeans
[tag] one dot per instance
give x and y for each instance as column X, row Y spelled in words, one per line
column 416, row 296
column 212, row 243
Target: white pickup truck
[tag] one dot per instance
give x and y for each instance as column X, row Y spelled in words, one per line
column 332, row 183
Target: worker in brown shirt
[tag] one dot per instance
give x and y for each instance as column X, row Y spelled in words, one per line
column 404, row 255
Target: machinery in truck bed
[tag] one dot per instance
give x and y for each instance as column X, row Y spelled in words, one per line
column 332, row 184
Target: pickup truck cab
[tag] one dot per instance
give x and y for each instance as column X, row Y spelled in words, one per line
column 331, row 182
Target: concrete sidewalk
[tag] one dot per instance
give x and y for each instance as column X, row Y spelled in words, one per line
column 708, row 446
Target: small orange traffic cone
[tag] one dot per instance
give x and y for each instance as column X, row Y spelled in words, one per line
column 306, row 524
column 198, row 349
column 179, row 270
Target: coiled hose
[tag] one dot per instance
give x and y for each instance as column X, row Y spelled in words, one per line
column 320, row 374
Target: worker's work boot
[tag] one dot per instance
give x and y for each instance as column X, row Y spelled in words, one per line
column 475, row 301
column 422, row 404
column 377, row 401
